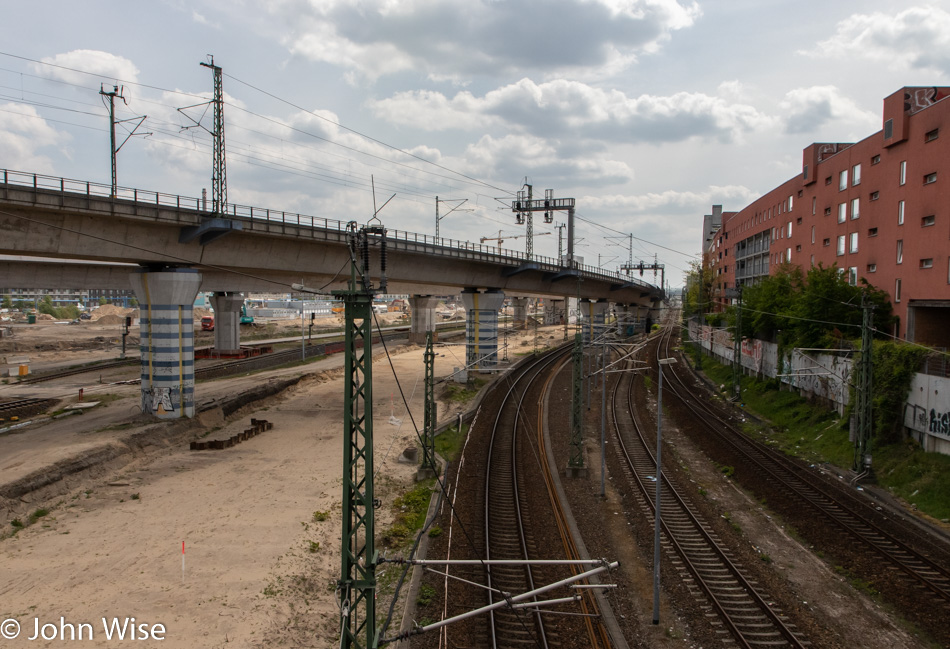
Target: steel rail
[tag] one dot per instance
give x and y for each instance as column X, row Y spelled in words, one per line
column 796, row 483
column 741, row 631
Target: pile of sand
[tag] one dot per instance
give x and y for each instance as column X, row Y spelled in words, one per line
column 44, row 316
column 199, row 313
column 103, row 315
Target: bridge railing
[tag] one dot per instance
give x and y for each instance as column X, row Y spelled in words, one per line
column 458, row 248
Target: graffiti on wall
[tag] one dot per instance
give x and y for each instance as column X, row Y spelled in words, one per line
column 917, row 99
column 752, row 349
column 159, row 400
column 939, row 422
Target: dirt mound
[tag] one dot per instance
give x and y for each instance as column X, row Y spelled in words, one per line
column 110, row 319
column 44, row 316
column 199, row 313
column 108, row 310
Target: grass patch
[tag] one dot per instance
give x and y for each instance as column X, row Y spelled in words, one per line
column 920, row 478
column 458, row 393
column 797, row 426
column 449, row 443
column 426, row 594
column 410, row 515
column 817, row 434
column 319, row 517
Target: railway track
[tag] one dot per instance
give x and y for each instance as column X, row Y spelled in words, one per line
column 23, row 407
column 40, row 378
column 896, row 550
column 517, row 536
column 511, row 519
column 748, row 618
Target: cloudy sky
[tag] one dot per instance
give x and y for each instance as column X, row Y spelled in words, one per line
column 646, row 112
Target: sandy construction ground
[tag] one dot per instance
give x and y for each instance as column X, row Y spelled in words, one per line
column 259, row 569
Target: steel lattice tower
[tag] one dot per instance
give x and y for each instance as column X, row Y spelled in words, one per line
column 576, row 460
column 219, row 175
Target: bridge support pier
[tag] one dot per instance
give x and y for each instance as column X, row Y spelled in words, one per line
column 423, row 318
column 167, row 345
column 554, row 312
column 227, row 321
column 519, row 310
column 481, row 327
column 595, row 314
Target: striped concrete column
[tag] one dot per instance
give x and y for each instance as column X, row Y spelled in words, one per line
column 481, row 327
column 166, row 299
column 519, row 312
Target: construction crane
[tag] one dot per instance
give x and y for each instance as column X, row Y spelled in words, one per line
column 500, row 239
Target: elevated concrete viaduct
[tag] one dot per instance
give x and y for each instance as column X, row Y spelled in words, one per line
column 74, row 233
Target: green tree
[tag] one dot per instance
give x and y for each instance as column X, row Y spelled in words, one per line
column 46, row 306
column 698, row 287
column 7, row 302
column 102, row 301
column 767, row 304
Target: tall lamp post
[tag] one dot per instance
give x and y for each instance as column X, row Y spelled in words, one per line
column 659, row 476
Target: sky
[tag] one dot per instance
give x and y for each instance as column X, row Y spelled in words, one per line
column 646, row 112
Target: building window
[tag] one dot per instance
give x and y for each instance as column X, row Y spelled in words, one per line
column 927, row 221
column 840, row 244
column 897, row 290
column 875, row 195
column 814, row 204
column 842, row 180
column 813, row 265
column 903, row 171
column 827, row 211
column 791, row 203
column 842, row 212
column 828, row 180
column 927, row 263
column 855, row 208
column 930, row 178
column 789, row 235
column 872, row 232
column 932, row 135
column 853, row 247
column 856, row 175
column 900, row 251
column 900, row 213
column 826, row 242
column 853, row 276
column 813, row 234
column 872, row 268
column 875, row 159
column 889, row 129
column 798, row 248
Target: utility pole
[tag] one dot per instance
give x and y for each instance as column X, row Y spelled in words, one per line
column 862, row 437
column 526, row 205
column 112, row 122
column 357, row 583
column 459, row 201
column 560, row 241
column 737, row 350
column 575, row 463
column 219, row 176
column 429, row 417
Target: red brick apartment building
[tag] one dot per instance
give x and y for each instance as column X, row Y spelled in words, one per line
column 879, row 209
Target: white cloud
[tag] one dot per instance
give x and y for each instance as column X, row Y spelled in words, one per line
column 563, row 108
column 454, row 39
column 807, row 110
column 110, row 66
column 22, row 134
column 916, row 38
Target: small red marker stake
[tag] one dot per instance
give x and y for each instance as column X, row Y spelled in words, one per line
column 182, row 562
